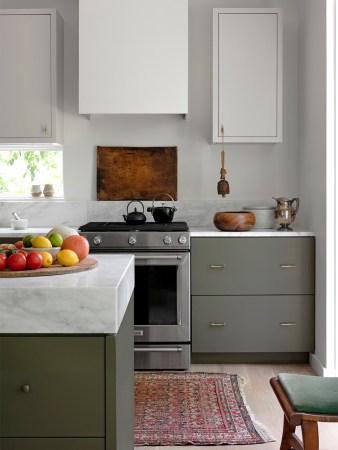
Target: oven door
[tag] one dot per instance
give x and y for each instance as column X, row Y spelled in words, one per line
column 162, row 297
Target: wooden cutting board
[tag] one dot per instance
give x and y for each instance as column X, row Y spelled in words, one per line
column 136, row 173
column 54, row 269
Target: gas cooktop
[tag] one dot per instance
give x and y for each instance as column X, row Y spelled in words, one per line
column 123, row 226
column 113, row 236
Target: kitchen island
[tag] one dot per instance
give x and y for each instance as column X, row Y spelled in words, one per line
column 66, row 359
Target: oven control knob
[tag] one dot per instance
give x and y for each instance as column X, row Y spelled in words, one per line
column 182, row 240
column 97, row 240
column 132, row 240
column 167, row 240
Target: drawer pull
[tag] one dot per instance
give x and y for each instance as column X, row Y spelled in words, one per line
column 288, row 324
column 217, row 324
column 25, row 388
column 158, row 349
column 217, row 266
column 288, row 266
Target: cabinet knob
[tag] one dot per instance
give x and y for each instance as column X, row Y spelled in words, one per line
column 25, row 388
column 217, row 324
column 288, row 266
column 217, row 266
column 45, row 129
column 288, row 324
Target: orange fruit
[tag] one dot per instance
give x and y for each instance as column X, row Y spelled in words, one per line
column 78, row 244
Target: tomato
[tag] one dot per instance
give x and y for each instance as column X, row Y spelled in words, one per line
column 19, row 244
column 34, row 260
column 23, row 252
column 17, row 261
column 3, row 261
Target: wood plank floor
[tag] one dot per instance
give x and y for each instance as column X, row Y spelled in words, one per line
column 263, row 404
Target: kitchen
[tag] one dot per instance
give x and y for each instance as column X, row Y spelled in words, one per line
column 255, row 172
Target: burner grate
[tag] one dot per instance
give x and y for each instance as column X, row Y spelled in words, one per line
column 123, row 226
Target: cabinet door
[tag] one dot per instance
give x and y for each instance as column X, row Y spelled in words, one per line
column 52, row 386
column 31, row 76
column 252, row 266
column 247, row 75
column 133, row 57
column 25, row 77
column 52, row 444
column 252, row 324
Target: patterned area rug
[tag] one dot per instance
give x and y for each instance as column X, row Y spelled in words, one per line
column 182, row 408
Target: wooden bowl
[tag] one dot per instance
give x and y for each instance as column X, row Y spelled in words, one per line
column 234, row 220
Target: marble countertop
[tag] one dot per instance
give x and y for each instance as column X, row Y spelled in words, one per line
column 195, row 232
column 10, row 232
column 254, row 232
column 90, row 302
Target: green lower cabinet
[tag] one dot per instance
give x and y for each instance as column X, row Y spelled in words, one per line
column 67, row 392
column 222, row 324
column 52, row 444
column 253, row 299
column 52, row 386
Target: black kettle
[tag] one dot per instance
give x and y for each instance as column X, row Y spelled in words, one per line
column 163, row 214
column 135, row 217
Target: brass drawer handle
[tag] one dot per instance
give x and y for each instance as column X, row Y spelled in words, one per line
column 217, row 324
column 25, row 388
column 288, row 266
column 217, row 266
column 288, row 324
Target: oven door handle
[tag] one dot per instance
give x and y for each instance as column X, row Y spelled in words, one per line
column 158, row 257
column 158, row 349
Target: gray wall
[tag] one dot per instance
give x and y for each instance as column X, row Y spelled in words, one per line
column 255, row 172
column 312, row 147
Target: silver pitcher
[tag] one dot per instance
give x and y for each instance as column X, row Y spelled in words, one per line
column 285, row 213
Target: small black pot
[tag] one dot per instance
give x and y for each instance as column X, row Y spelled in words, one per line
column 162, row 214
column 135, row 217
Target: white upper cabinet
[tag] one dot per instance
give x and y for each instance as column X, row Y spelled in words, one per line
column 133, row 57
column 31, row 76
column 247, row 75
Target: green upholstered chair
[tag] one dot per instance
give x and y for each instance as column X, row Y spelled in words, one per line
column 305, row 400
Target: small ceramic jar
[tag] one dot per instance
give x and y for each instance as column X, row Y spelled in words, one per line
column 36, row 190
column 48, row 190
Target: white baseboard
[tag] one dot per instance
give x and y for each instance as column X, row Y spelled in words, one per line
column 318, row 367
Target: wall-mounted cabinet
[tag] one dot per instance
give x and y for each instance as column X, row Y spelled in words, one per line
column 31, row 76
column 133, row 57
column 247, row 75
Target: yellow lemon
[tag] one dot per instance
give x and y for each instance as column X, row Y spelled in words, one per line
column 67, row 257
column 41, row 242
column 47, row 259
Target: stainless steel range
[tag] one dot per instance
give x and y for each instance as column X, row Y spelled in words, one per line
column 162, row 293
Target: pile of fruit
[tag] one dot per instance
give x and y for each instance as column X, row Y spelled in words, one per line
column 34, row 252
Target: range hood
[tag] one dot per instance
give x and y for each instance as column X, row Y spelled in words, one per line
column 133, row 57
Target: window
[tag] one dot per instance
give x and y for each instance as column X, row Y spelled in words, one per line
column 20, row 169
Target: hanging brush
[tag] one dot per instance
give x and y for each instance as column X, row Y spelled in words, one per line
column 223, row 185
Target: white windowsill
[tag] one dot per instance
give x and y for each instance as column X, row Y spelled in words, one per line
column 28, row 198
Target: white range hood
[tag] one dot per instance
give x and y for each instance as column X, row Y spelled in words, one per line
column 133, row 57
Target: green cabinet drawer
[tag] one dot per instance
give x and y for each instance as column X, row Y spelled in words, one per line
column 52, row 386
column 52, row 444
column 252, row 266
column 252, row 323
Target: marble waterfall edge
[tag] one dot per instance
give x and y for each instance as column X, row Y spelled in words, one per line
column 92, row 302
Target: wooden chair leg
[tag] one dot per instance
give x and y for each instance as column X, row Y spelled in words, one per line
column 310, row 435
column 287, row 430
